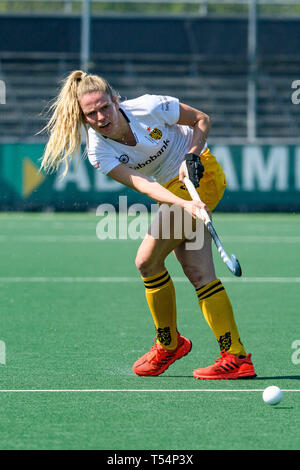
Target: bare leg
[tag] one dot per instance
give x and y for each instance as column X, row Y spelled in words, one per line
column 198, row 265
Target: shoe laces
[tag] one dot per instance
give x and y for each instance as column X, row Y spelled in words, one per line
column 157, row 352
column 221, row 357
column 152, row 353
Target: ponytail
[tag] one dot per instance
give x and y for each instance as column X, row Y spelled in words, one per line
column 65, row 125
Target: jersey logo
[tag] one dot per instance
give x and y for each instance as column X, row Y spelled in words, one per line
column 96, row 165
column 124, row 158
column 156, row 134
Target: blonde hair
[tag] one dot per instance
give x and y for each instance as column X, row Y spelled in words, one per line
column 65, row 124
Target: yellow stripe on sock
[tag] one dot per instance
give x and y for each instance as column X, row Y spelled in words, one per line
column 158, row 280
column 214, row 287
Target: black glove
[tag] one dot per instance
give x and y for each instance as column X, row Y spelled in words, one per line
column 194, row 167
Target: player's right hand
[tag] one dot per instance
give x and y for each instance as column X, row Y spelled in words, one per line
column 194, row 167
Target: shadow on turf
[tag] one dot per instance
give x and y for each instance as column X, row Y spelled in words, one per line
column 283, row 408
column 277, row 377
column 291, row 377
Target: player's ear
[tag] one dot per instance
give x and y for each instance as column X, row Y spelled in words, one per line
column 115, row 101
column 82, row 115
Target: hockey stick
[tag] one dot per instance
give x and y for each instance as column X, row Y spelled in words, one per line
column 232, row 264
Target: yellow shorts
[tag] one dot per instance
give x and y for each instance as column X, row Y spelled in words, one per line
column 212, row 185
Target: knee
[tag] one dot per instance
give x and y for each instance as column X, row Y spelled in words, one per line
column 142, row 262
column 199, row 277
column 147, row 265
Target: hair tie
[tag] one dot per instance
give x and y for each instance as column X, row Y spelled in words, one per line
column 82, row 76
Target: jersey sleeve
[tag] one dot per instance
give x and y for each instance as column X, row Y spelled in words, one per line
column 103, row 159
column 165, row 108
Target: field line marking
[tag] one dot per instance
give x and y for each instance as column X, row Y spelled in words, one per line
column 70, row 238
column 104, row 279
column 101, row 390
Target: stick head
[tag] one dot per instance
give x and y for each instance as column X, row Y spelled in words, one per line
column 235, row 267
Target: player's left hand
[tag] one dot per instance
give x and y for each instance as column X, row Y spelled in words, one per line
column 194, row 167
column 196, row 208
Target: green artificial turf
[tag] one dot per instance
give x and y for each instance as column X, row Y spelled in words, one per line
column 74, row 319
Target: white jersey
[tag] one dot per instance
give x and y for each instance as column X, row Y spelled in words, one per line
column 161, row 143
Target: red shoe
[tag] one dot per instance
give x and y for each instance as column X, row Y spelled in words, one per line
column 227, row 366
column 158, row 359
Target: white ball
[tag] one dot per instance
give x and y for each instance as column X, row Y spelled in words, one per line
column 272, row 395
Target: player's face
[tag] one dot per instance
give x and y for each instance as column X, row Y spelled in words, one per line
column 101, row 112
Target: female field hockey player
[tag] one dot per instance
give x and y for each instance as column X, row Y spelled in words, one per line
column 142, row 143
